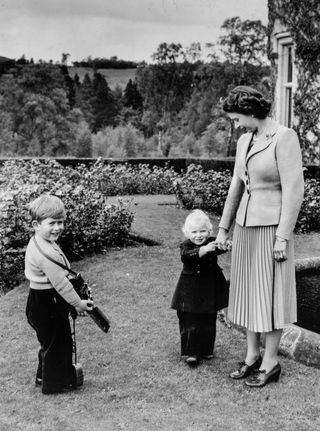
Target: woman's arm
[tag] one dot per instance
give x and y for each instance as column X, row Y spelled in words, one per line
column 233, row 199
column 232, row 202
column 289, row 163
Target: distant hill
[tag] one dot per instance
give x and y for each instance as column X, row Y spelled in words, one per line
column 4, row 59
column 113, row 77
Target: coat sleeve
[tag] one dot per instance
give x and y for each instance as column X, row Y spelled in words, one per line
column 289, row 161
column 189, row 254
column 234, row 195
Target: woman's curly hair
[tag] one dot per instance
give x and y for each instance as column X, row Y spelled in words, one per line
column 247, row 101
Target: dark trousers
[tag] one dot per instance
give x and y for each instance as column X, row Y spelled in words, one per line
column 47, row 313
column 197, row 333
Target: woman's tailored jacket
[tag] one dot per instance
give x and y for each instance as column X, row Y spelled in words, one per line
column 202, row 287
column 267, row 184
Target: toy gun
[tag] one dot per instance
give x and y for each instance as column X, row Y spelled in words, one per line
column 84, row 291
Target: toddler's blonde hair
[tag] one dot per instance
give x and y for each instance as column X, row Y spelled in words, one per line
column 196, row 216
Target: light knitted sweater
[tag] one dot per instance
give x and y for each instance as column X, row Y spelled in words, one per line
column 44, row 274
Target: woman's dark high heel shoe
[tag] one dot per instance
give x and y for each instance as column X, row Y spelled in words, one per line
column 245, row 370
column 261, row 378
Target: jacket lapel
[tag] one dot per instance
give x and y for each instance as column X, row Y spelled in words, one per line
column 264, row 141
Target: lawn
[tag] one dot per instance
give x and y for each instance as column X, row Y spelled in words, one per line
column 134, row 378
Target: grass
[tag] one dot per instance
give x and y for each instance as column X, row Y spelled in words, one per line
column 134, row 378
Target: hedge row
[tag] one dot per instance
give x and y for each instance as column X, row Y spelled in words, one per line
column 177, row 164
column 92, row 224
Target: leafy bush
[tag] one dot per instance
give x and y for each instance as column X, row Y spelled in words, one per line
column 124, row 179
column 309, row 219
column 206, row 190
column 91, row 222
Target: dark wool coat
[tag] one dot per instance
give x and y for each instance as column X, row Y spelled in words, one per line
column 202, row 287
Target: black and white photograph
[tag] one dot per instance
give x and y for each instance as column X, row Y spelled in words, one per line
column 159, row 215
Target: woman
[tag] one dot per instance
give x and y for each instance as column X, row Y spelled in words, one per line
column 264, row 198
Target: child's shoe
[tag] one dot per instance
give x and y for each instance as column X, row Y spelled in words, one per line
column 192, row 361
column 38, row 382
column 58, row 389
column 208, row 357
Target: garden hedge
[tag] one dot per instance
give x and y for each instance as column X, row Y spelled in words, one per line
column 92, row 223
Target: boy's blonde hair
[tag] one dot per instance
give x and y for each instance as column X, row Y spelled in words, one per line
column 46, row 206
column 197, row 216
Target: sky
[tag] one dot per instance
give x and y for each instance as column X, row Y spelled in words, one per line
column 128, row 29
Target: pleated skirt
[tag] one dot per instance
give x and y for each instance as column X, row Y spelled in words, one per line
column 262, row 291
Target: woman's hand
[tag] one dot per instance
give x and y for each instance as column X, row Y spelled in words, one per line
column 222, row 239
column 279, row 250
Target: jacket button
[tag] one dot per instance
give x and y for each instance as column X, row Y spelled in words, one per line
column 248, row 191
column 246, row 173
column 247, row 182
column 198, row 272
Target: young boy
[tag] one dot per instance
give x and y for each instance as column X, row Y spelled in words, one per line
column 201, row 289
column 50, row 296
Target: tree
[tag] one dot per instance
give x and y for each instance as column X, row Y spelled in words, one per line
column 165, row 87
column 167, row 54
column 40, row 78
column 64, row 58
column 193, row 53
column 244, row 41
column 35, row 112
column 7, row 142
column 70, row 84
column 120, row 141
column 214, row 138
column 84, row 94
column 103, row 103
column 131, row 96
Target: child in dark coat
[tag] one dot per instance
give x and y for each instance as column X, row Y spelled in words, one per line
column 201, row 290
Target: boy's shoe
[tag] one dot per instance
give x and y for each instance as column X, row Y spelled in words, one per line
column 77, row 375
column 58, row 389
column 208, row 357
column 192, row 361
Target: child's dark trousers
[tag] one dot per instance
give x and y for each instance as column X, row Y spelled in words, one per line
column 47, row 313
column 197, row 333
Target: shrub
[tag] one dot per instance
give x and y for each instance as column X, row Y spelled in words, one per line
column 92, row 223
column 206, row 190
column 309, row 219
column 125, row 179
